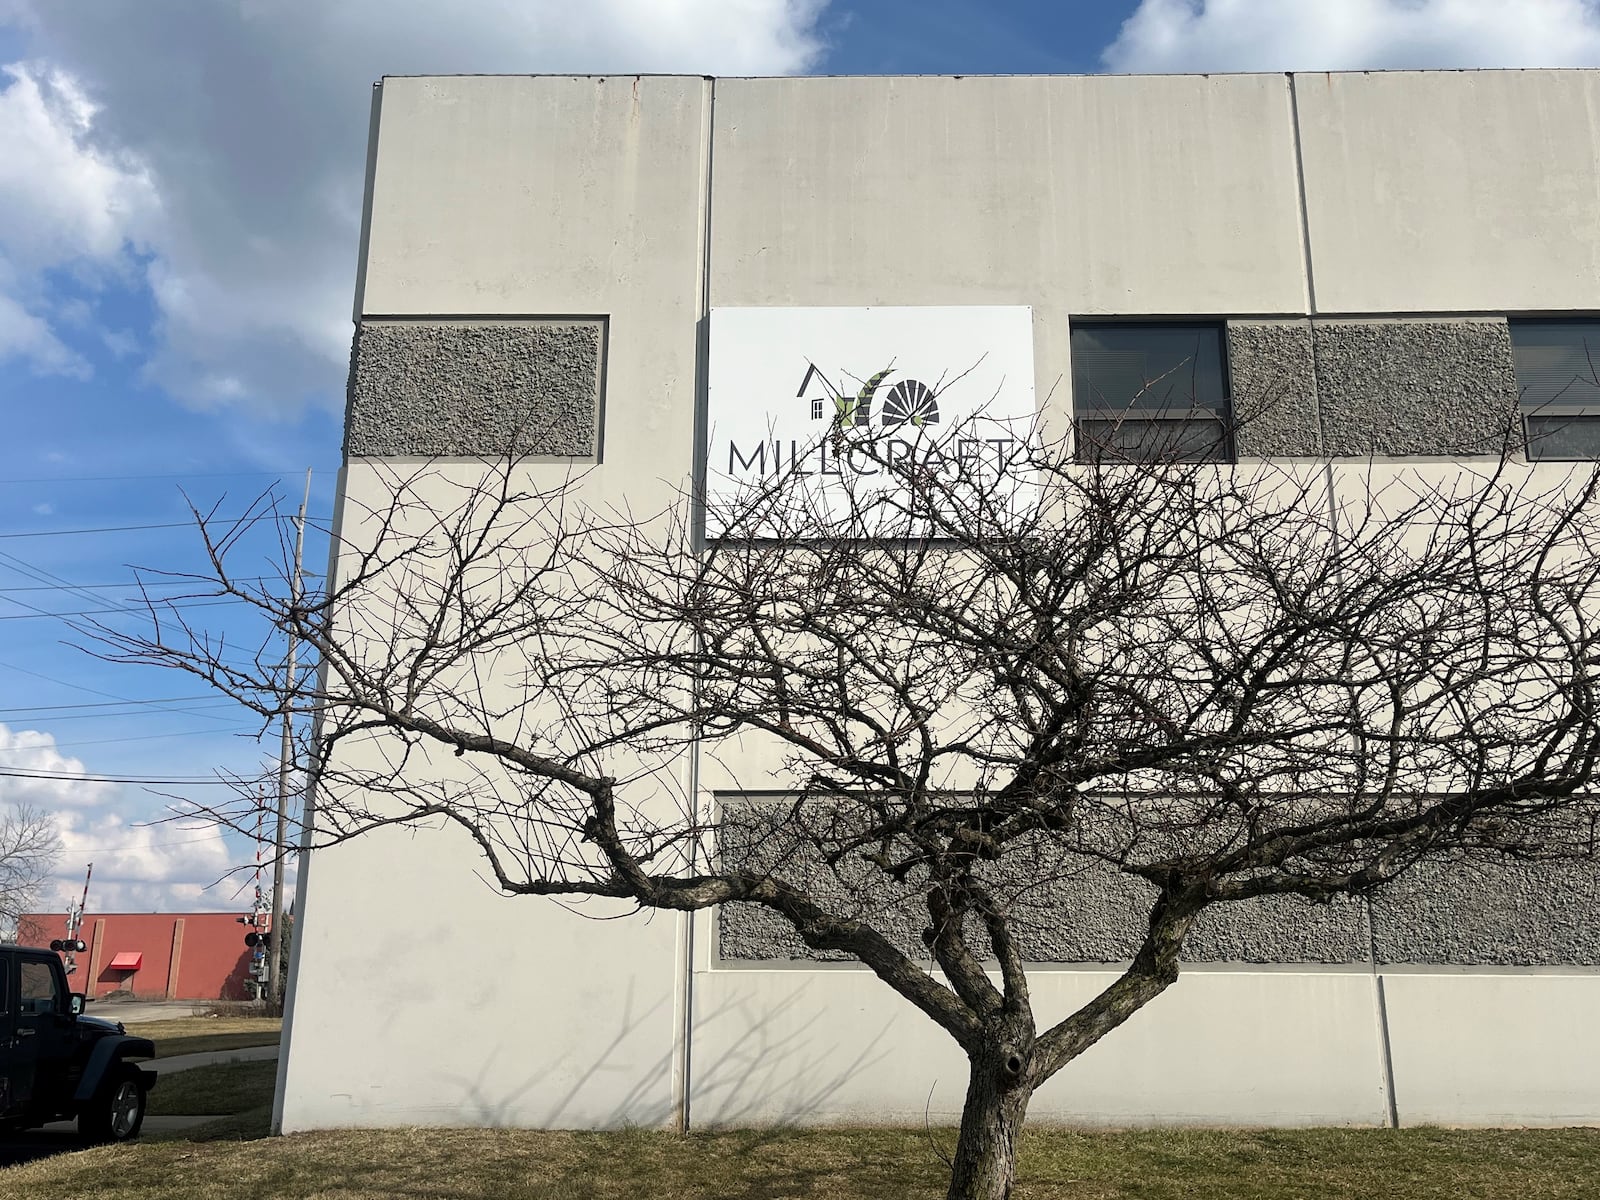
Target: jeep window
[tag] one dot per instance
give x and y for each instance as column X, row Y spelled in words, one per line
column 38, row 992
column 5, row 992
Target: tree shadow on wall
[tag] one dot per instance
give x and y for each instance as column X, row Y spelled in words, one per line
column 766, row 1071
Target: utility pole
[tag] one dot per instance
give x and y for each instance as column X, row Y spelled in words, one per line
column 285, row 758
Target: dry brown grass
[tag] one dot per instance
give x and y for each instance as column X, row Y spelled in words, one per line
column 225, row 1088
column 192, row 1035
column 852, row 1164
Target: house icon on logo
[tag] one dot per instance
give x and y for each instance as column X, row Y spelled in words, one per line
column 830, row 403
column 910, row 401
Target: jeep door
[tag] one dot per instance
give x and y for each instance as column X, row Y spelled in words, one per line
column 43, row 1041
column 8, row 1036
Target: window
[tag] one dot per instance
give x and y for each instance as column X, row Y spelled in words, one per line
column 1150, row 390
column 37, row 989
column 1558, row 380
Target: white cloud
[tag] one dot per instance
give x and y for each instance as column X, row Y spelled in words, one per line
column 28, row 337
column 145, row 867
column 248, row 121
column 69, row 204
column 142, row 861
column 1288, row 35
column 65, row 197
column 32, row 752
column 120, row 342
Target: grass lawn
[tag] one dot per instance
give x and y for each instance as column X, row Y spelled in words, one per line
column 224, row 1088
column 854, row 1164
column 191, row 1035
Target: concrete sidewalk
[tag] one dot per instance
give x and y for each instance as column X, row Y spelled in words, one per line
column 152, row 1124
column 206, row 1058
column 144, row 1010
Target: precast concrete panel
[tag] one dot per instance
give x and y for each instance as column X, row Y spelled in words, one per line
column 1077, row 910
column 423, row 997
column 1080, row 196
column 522, row 195
column 490, row 388
column 557, row 197
column 1452, row 191
column 838, row 1046
column 516, row 200
column 1492, row 1049
column 1272, row 374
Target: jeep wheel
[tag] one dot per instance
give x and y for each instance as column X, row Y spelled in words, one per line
column 117, row 1110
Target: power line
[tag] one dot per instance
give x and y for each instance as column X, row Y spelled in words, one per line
column 171, row 475
column 187, row 781
column 99, row 529
column 205, row 710
column 190, row 524
column 157, row 705
column 40, row 575
column 109, row 703
column 77, row 687
column 152, row 845
column 131, row 583
column 165, row 605
column 143, row 737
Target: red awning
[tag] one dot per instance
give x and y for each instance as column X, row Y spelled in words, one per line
column 128, row 960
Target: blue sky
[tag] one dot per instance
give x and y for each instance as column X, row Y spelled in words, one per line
column 179, row 205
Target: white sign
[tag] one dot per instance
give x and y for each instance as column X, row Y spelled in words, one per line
column 823, row 400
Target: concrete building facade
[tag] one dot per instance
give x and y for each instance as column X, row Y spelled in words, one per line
column 541, row 260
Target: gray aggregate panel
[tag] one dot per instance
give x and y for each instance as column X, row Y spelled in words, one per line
column 475, row 389
column 1495, row 913
column 1273, row 381
column 1078, row 911
column 1415, row 387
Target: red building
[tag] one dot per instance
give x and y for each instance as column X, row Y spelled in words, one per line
column 156, row 956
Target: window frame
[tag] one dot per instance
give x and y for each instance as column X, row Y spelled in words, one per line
column 1084, row 410
column 57, row 996
column 1587, row 410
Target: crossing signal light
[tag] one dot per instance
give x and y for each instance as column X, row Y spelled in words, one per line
column 254, row 939
column 63, row 945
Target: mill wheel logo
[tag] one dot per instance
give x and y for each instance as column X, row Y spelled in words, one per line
column 909, row 402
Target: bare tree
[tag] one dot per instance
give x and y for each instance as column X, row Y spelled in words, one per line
column 29, row 847
column 1223, row 682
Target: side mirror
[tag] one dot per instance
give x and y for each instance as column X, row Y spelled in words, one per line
column 76, row 1004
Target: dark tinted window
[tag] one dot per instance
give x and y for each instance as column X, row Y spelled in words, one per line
column 1150, row 390
column 36, row 992
column 1558, row 380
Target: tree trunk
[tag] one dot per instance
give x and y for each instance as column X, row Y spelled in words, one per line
column 991, row 1125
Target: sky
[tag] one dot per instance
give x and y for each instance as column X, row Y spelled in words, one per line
column 180, row 196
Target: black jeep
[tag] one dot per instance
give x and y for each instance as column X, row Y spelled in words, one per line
column 56, row 1063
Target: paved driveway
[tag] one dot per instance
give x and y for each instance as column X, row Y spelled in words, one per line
column 143, row 1010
